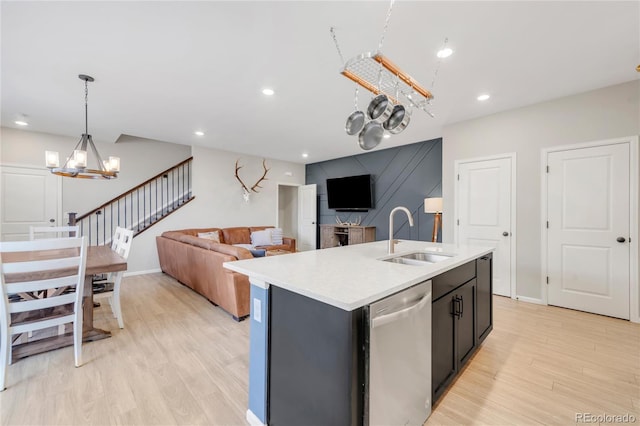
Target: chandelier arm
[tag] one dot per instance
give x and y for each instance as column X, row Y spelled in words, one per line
column 66, row 163
column 95, row 152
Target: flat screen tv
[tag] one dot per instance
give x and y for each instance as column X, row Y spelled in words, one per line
column 350, row 193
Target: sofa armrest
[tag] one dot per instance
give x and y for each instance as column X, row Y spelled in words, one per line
column 291, row 242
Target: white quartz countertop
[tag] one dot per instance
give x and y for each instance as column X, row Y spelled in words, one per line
column 350, row 277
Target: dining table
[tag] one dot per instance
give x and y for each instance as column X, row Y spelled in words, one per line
column 100, row 260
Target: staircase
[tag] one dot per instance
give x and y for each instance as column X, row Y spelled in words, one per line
column 139, row 208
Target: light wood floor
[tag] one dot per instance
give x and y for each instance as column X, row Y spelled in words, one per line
column 181, row 360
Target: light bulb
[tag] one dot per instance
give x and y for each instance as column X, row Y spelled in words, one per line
column 52, row 159
column 114, row 164
column 444, row 53
column 80, row 158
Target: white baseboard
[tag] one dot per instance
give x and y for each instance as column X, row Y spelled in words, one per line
column 253, row 419
column 149, row 271
column 530, row 300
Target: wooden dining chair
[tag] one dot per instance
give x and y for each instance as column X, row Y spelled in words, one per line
column 39, row 232
column 42, row 266
column 121, row 244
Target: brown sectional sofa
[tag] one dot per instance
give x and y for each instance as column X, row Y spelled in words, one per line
column 197, row 263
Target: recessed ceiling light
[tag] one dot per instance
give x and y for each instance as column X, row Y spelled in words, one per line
column 483, row 97
column 21, row 120
column 198, row 133
column 444, row 53
column 305, row 155
column 268, row 92
column 386, row 136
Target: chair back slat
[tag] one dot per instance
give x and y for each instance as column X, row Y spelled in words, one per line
column 37, row 232
column 39, row 245
column 47, row 302
column 121, row 242
column 39, row 325
column 60, row 264
column 40, row 285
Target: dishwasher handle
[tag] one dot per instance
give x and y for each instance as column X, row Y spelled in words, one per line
column 402, row 313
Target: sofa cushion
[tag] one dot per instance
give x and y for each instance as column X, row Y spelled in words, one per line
column 213, row 236
column 238, row 235
column 261, row 238
column 194, row 232
column 275, row 247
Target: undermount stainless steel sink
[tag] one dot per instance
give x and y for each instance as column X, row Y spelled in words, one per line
column 426, row 257
column 418, row 258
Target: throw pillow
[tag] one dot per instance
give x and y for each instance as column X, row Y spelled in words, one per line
column 261, row 238
column 258, row 252
column 276, row 236
column 213, row 235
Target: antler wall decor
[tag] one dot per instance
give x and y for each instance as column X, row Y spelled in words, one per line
column 245, row 190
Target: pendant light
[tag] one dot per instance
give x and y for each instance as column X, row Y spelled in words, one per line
column 76, row 165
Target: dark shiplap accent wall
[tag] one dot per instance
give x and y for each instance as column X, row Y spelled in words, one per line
column 402, row 176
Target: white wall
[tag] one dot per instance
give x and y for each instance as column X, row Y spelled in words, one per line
column 219, row 194
column 597, row 115
column 20, row 147
column 218, row 202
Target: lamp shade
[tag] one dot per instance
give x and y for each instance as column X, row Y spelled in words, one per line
column 433, row 205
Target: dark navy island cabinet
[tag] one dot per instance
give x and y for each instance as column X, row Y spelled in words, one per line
column 317, row 372
column 461, row 318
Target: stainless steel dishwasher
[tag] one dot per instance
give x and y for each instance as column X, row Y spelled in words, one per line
column 399, row 364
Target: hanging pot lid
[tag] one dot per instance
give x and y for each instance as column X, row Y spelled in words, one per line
column 371, row 135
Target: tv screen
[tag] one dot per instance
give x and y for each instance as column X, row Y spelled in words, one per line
column 351, row 193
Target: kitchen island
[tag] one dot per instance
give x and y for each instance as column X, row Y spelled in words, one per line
column 309, row 342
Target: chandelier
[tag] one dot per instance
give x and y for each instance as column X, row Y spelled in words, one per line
column 76, row 165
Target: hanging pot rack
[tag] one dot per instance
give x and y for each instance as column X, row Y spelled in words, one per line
column 394, row 91
column 379, row 75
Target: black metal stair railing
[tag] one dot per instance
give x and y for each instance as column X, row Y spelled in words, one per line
column 139, row 208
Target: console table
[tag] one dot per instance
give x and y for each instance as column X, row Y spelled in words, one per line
column 345, row 235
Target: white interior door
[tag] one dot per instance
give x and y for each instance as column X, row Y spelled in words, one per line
column 588, row 199
column 30, row 197
column 307, row 211
column 484, row 207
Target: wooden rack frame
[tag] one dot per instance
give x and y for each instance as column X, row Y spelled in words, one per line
column 376, row 73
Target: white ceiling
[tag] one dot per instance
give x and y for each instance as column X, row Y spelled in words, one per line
column 166, row 69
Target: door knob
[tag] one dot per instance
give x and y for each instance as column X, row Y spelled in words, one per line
column 52, row 220
column 505, row 234
column 620, row 239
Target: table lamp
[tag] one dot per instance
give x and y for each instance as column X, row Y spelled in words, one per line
column 434, row 205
